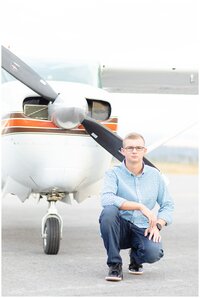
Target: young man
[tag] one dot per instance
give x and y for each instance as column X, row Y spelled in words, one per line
column 130, row 192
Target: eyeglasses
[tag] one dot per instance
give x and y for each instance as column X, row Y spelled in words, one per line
column 131, row 148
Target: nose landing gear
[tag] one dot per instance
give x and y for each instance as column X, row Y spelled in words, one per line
column 52, row 226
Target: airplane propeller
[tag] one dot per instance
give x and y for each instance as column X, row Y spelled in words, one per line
column 107, row 139
column 25, row 74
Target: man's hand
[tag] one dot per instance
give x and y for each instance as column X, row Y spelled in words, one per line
column 153, row 233
column 149, row 214
column 128, row 205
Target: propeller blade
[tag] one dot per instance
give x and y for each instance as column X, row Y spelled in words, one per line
column 25, row 74
column 107, row 139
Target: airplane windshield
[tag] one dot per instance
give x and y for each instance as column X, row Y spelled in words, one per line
column 63, row 71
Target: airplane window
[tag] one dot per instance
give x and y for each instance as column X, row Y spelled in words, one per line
column 68, row 72
column 86, row 73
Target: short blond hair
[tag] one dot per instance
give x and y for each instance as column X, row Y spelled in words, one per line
column 133, row 136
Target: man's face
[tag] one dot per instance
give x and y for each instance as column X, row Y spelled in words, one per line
column 134, row 150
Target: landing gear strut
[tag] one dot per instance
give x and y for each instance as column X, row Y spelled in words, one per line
column 52, row 226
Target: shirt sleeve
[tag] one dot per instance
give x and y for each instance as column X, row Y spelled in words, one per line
column 165, row 202
column 109, row 191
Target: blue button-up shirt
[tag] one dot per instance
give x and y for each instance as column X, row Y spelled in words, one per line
column 148, row 188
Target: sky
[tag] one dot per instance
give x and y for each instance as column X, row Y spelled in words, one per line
column 142, row 33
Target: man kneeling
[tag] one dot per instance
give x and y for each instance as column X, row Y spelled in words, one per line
column 130, row 192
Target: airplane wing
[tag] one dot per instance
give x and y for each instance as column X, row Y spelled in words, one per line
column 125, row 79
column 170, row 137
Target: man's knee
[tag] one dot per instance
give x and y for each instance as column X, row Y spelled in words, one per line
column 109, row 215
column 153, row 254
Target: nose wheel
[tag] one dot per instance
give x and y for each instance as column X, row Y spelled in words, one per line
column 52, row 225
column 51, row 239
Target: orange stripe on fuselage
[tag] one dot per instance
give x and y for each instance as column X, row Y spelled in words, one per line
column 28, row 123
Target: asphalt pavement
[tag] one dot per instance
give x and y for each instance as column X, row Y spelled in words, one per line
column 79, row 269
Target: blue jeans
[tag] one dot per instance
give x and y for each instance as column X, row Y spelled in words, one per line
column 118, row 233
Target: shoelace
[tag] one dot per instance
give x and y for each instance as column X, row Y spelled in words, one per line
column 115, row 269
column 134, row 266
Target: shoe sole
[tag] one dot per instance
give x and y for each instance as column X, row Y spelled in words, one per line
column 113, row 278
column 135, row 273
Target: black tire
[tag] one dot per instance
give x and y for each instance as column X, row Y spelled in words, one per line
column 51, row 242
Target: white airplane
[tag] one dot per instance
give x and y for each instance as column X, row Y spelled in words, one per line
column 58, row 144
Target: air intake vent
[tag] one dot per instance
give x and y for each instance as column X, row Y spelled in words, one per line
column 36, row 111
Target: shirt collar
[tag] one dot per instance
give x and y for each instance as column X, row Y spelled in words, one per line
column 127, row 170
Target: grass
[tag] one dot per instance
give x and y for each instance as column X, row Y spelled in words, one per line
column 177, row 168
column 174, row 168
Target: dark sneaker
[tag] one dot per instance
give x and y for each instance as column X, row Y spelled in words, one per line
column 115, row 273
column 135, row 269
